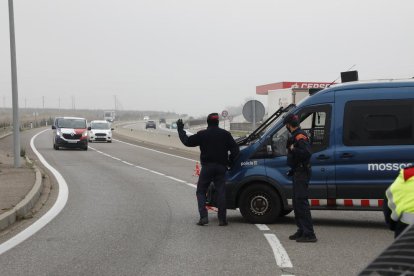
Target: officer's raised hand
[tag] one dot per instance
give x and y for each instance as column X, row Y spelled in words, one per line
column 180, row 125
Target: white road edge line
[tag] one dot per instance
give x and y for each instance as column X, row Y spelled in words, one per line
column 281, row 256
column 157, row 151
column 262, row 227
column 60, row 203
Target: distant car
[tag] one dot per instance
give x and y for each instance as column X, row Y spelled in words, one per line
column 162, row 121
column 100, row 130
column 146, row 118
column 150, row 124
column 70, row 132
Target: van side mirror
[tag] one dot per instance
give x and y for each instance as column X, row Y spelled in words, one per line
column 269, row 150
column 89, row 128
column 265, row 150
column 269, row 147
column 53, row 127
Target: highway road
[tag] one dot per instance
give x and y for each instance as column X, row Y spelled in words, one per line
column 131, row 210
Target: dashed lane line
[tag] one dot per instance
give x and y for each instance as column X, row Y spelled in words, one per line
column 281, row 256
column 157, row 151
column 262, row 227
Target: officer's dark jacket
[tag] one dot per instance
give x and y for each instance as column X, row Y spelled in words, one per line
column 302, row 152
column 214, row 142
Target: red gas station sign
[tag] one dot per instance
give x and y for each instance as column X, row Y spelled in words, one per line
column 263, row 89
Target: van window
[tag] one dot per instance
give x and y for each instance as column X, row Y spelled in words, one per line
column 315, row 121
column 381, row 122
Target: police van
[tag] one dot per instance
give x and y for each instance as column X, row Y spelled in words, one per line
column 362, row 134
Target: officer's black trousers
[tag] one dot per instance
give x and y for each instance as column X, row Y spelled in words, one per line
column 300, row 202
column 216, row 173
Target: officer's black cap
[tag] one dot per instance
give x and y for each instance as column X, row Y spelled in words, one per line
column 292, row 120
column 213, row 119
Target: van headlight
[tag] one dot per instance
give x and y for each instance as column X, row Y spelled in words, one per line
column 58, row 133
column 85, row 133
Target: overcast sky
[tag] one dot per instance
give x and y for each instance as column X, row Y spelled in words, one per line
column 192, row 56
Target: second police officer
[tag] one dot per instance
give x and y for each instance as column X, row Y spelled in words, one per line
column 298, row 159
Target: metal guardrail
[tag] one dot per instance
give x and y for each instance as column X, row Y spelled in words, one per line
column 397, row 259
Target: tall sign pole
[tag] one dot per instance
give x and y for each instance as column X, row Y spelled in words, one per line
column 15, row 96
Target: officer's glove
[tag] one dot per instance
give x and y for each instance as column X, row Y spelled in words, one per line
column 180, row 125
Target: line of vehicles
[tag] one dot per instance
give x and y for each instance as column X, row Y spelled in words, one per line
column 75, row 132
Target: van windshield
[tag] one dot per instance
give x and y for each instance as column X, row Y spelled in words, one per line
column 267, row 125
column 72, row 123
column 99, row 125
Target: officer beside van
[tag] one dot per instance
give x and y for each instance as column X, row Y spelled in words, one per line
column 215, row 144
column 298, row 159
column 398, row 205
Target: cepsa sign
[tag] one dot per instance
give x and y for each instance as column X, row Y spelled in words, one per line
column 264, row 89
column 308, row 85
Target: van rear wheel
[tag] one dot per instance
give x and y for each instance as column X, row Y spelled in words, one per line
column 259, row 203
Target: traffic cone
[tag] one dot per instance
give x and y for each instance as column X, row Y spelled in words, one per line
column 197, row 169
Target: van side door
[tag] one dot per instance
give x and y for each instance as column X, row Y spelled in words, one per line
column 316, row 121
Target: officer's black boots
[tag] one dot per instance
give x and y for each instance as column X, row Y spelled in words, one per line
column 307, row 239
column 203, row 221
column 295, row 236
column 223, row 223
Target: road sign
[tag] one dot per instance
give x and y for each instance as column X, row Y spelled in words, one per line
column 253, row 111
column 230, row 118
column 224, row 113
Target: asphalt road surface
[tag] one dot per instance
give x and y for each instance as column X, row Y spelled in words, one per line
column 132, row 211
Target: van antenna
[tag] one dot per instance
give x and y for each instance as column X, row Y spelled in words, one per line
column 340, row 76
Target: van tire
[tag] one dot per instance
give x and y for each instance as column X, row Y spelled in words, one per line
column 55, row 147
column 260, row 203
column 85, row 148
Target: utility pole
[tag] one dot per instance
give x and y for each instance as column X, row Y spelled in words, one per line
column 43, row 103
column 115, row 101
column 59, row 105
column 15, row 96
column 25, row 103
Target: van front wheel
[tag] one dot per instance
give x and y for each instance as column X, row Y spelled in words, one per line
column 260, row 203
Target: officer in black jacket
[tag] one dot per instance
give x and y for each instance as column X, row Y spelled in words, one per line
column 298, row 159
column 215, row 144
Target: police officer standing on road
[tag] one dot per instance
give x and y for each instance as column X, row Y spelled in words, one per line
column 215, row 144
column 298, row 159
column 398, row 205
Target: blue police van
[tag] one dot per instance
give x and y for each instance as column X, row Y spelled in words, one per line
column 362, row 133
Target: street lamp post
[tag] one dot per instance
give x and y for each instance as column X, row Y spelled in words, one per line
column 15, row 96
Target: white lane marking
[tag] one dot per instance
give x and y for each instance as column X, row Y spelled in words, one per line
column 157, row 151
column 176, row 179
column 281, row 256
column 146, row 169
column 51, row 214
column 262, row 227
